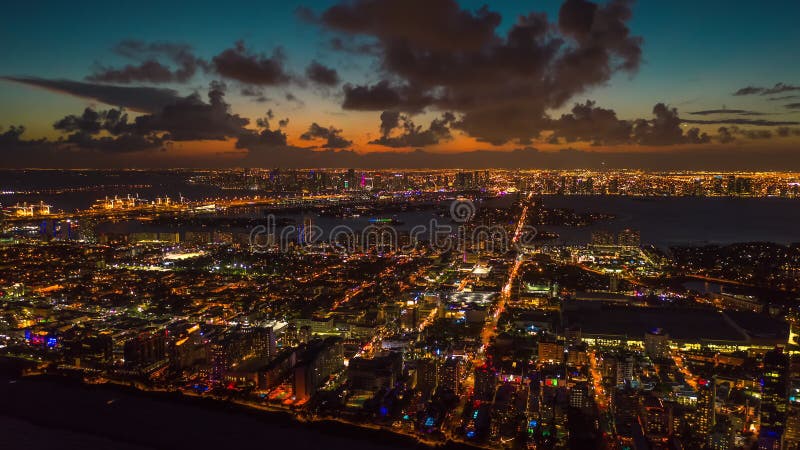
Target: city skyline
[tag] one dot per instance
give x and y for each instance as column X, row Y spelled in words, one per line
column 402, row 84
column 436, row 308
column 443, row 224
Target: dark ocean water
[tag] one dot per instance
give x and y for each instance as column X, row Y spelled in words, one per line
column 46, row 414
column 666, row 221
column 662, row 221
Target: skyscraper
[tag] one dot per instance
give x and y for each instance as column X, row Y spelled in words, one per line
column 654, row 418
column 791, row 435
column 656, row 344
column 629, row 238
column 485, row 383
column 705, row 416
column 774, row 388
column 450, row 375
column 427, row 375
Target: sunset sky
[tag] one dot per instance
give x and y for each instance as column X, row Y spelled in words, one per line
column 401, row 83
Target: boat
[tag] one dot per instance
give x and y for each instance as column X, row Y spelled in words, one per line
column 385, row 221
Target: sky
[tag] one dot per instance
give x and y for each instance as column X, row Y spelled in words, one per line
column 401, row 83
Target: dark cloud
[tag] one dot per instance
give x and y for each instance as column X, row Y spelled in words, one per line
column 665, row 129
column 88, row 122
column 103, row 131
column 749, row 90
column 441, row 25
column 12, row 138
column 256, row 94
column 725, row 135
column 756, row 134
column 695, row 136
column 321, row 74
column 250, row 91
column 150, row 71
column 389, row 121
column 786, row 131
column 240, row 64
column 501, row 86
column 600, row 126
column 783, row 97
column 188, row 119
column 80, row 150
column 150, row 67
column 412, row 135
column 185, row 119
column 264, row 139
column 777, row 89
column 268, row 148
column 264, row 122
column 269, row 115
column 21, row 153
column 140, row 99
column 748, row 133
column 753, row 122
column 128, row 142
column 293, row 98
column 12, row 134
column 114, row 121
column 740, row 112
column 370, row 98
column 792, row 106
column 193, row 119
column 333, row 136
column 593, row 124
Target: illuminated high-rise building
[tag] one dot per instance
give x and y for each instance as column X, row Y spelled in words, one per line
column 450, row 375
column 774, row 388
column 625, row 407
column 721, row 436
column 264, row 341
column 409, row 317
column 654, row 418
column 579, row 396
column 316, row 361
column 629, row 238
column 656, row 344
column 219, row 361
column 147, row 347
column 791, row 435
column 371, row 374
column 305, row 235
column 427, row 375
column 602, row 237
column 551, row 351
column 705, row 416
column 485, row 383
column 770, row 438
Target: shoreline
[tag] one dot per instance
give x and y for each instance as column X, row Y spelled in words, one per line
column 27, row 400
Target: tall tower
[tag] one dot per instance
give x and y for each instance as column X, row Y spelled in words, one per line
column 450, row 375
column 706, row 416
column 775, row 386
column 305, row 235
column 485, row 383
